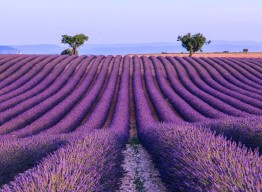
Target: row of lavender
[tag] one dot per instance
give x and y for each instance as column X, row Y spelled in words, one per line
column 82, row 161
column 189, row 89
column 191, row 157
column 79, row 162
column 51, row 114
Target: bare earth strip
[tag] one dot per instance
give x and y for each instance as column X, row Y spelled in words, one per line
column 233, row 54
column 140, row 173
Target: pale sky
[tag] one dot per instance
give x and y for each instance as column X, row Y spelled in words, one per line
column 128, row 21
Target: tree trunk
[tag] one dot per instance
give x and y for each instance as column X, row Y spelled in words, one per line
column 74, row 51
column 191, row 53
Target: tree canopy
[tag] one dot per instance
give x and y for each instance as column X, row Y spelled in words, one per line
column 74, row 41
column 193, row 43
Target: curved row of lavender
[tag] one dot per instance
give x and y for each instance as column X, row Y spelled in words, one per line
column 95, row 158
column 191, row 158
column 75, row 111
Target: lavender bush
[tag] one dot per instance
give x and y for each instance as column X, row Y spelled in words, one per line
column 238, row 75
column 17, row 76
column 247, row 131
column 77, row 115
column 32, row 74
column 164, row 111
column 8, row 60
column 253, row 79
column 215, row 80
column 222, row 76
column 100, row 113
column 19, row 155
column 230, row 76
column 190, row 106
column 88, row 164
column 144, row 114
column 13, row 66
column 47, row 77
column 29, row 116
column 196, row 85
column 247, row 67
column 27, row 104
column 194, row 159
column 59, row 111
column 235, row 106
column 253, row 63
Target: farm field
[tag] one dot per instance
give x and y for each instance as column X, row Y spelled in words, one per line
column 219, row 54
column 65, row 120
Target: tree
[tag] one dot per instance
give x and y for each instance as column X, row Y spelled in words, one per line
column 193, row 43
column 74, row 41
column 245, row 50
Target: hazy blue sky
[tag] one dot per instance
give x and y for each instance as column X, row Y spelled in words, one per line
column 128, row 21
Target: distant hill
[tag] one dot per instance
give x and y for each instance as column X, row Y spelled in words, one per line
column 233, row 46
column 39, row 49
column 9, row 50
column 142, row 48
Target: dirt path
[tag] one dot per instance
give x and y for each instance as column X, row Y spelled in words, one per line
column 140, row 173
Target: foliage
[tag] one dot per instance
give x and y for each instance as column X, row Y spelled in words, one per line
column 67, row 51
column 74, row 41
column 134, row 141
column 245, row 50
column 193, row 43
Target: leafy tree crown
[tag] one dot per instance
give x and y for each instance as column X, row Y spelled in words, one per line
column 74, row 41
column 193, row 43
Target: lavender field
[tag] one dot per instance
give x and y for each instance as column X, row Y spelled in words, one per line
column 65, row 120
